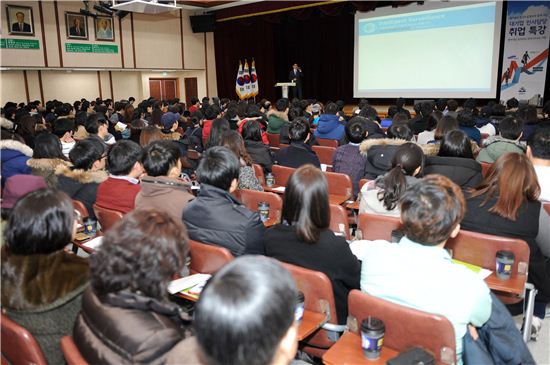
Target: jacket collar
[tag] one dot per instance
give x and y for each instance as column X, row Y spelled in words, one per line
column 47, row 163
column 301, row 145
column 210, row 191
column 82, row 176
column 11, row 144
column 165, row 181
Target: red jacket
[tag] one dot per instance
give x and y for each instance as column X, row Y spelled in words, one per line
column 117, row 194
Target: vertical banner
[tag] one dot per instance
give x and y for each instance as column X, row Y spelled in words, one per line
column 254, row 86
column 247, row 85
column 525, row 56
column 239, row 83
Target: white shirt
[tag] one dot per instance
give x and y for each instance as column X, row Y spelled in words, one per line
column 127, row 178
column 543, row 175
column 67, row 147
column 425, row 137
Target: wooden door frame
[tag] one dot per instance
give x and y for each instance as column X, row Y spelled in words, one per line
column 177, row 79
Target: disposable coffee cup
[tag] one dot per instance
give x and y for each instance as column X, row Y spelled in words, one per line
column 270, row 179
column 504, row 264
column 263, row 209
column 299, row 311
column 372, row 337
column 90, row 226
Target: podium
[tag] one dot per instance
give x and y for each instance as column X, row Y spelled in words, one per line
column 284, row 87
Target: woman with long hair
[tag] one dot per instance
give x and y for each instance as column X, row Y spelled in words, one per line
column 407, row 163
column 304, row 237
column 46, row 157
column 247, row 177
column 217, row 130
column 506, row 204
column 259, row 152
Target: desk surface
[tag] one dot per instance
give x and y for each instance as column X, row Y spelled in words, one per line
column 347, row 350
column 337, row 199
column 271, row 222
column 311, row 321
column 515, row 285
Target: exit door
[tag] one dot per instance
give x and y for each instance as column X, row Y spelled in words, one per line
column 164, row 89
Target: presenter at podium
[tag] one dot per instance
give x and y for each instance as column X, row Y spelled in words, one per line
column 296, row 76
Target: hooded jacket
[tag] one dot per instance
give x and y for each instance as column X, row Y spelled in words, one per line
column 379, row 153
column 275, row 121
column 14, row 158
column 465, row 172
column 80, row 184
column 129, row 328
column 216, row 217
column 260, row 154
column 498, row 146
column 43, row 294
column 46, row 167
column 164, row 193
column 329, row 127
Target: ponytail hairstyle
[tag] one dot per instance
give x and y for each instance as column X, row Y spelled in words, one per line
column 407, row 159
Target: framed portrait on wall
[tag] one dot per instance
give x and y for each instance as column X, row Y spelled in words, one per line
column 104, row 29
column 20, row 20
column 77, row 26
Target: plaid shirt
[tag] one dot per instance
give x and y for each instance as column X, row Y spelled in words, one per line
column 348, row 160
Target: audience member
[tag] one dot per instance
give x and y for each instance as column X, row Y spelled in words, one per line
column 452, row 106
column 42, row 284
column 304, row 237
column 421, row 122
column 505, row 204
column 429, row 134
column 347, row 158
column 528, row 114
column 15, row 154
column 126, row 315
column 162, row 188
column 119, row 191
column 407, row 163
column 299, row 152
column 169, row 126
column 455, row 160
column 215, row 216
column 98, row 127
column 379, row 151
column 64, row 129
column 538, row 151
column 46, row 158
column 218, row 128
column 247, row 178
column 467, row 124
column 329, row 126
column 80, row 181
column 245, row 317
column 258, row 151
column 446, row 124
column 511, row 130
column 149, row 134
column 211, row 113
column 417, row 272
column 277, row 118
column 15, row 188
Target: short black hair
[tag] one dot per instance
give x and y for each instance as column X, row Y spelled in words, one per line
column 93, row 122
column 281, row 104
column 400, row 131
column 122, row 157
column 47, row 145
column 218, row 167
column 86, row 152
column 456, row 143
column 62, row 126
column 40, row 223
column 331, row 108
column 511, row 128
column 355, row 129
column 212, row 112
column 252, row 131
column 466, row 118
column 298, row 130
column 539, row 143
column 159, row 157
column 452, row 104
column 243, row 314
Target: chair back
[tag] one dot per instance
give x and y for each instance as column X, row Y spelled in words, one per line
column 339, row 220
column 339, row 184
column 281, row 174
column 274, row 139
column 327, row 142
column 259, row 172
column 107, row 217
column 325, row 154
column 319, row 298
column 19, row 347
column 71, row 353
column 362, row 182
column 481, row 249
column 81, row 208
column 547, row 208
column 251, row 198
column 377, row 227
column 405, row 327
column 485, row 168
column 283, row 145
column 207, row 258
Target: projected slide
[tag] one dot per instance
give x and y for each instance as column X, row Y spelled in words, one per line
column 434, row 50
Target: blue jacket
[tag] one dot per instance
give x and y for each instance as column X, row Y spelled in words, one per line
column 329, row 127
column 14, row 158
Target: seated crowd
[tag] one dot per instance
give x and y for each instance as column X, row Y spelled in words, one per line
column 176, row 173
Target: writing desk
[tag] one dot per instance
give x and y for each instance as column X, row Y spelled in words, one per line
column 348, row 350
column 311, row 322
column 271, row 222
column 515, row 285
column 337, row 199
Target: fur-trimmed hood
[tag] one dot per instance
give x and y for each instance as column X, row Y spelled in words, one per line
column 6, row 123
column 11, row 144
column 82, row 176
column 47, row 163
column 368, row 143
column 39, row 283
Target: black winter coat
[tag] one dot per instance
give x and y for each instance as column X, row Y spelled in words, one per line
column 464, row 172
column 260, row 154
column 216, row 217
column 296, row 155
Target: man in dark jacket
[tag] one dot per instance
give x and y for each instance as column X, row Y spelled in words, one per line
column 216, row 217
column 299, row 152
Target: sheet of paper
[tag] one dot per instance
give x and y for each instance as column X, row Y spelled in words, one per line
column 280, row 189
column 187, row 282
column 95, row 243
